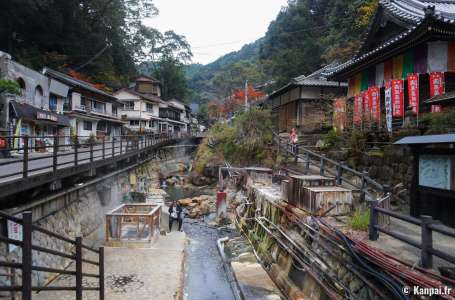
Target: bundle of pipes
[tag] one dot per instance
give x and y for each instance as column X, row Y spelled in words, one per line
column 401, row 272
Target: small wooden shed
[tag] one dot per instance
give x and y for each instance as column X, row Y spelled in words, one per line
column 433, row 182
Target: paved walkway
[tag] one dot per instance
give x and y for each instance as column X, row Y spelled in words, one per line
column 154, row 273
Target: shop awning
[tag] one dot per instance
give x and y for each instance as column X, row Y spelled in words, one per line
column 29, row 113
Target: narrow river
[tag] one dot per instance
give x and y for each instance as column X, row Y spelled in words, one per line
column 205, row 278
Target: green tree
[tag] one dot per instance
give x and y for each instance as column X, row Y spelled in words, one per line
column 170, row 73
column 9, row 86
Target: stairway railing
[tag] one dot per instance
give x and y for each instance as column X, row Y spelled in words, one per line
column 27, row 267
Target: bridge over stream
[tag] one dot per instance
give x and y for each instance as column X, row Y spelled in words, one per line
column 28, row 168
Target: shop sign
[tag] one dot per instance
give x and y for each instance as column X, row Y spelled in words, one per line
column 46, row 116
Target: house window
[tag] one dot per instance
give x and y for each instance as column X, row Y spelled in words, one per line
column 114, row 110
column 53, row 102
column 98, row 107
column 129, row 105
column 149, row 107
column 134, row 122
column 39, row 96
column 88, row 125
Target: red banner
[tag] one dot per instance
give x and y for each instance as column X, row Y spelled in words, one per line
column 366, row 105
column 397, row 98
column 413, row 93
column 436, row 108
column 339, row 118
column 436, row 84
column 358, row 103
column 375, row 103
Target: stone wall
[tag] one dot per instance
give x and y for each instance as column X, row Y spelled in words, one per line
column 391, row 165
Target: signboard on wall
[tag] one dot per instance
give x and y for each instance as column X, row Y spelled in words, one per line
column 435, row 171
column 339, row 118
column 14, row 233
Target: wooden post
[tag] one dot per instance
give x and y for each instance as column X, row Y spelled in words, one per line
column 307, row 161
column 322, row 166
column 104, row 148
column 78, row 268
column 363, row 186
column 101, row 272
column 121, row 140
column 54, row 155
column 91, row 151
column 76, row 146
column 339, row 174
column 113, row 147
column 296, row 153
column 373, row 233
column 426, row 258
column 25, row 159
column 27, row 255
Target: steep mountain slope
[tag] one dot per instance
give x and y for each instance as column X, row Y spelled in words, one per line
column 306, row 35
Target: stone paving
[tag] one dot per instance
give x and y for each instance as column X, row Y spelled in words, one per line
column 140, row 274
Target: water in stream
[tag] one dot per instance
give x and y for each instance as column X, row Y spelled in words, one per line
column 205, row 278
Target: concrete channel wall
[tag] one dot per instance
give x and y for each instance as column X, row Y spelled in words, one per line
column 304, row 261
column 80, row 211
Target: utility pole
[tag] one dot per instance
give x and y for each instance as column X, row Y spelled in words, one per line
column 246, row 95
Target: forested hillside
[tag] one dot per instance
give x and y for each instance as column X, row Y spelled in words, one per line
column 306, row 35
column 104, row 40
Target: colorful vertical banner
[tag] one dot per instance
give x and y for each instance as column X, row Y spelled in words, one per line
column 398, row 67
column 375, row 106
column 388, row 105
column 339, row 111
column 436, row 84
column 388, row 70
column 436, row 108
column 358, row 103
column 413, row 93
column 397, row 98
column 408, row 64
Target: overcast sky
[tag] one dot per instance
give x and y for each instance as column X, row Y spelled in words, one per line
column 216, row 27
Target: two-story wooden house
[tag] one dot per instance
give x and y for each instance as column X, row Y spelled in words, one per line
column 92, row 112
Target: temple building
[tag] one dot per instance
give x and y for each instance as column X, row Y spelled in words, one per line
column 405, row 66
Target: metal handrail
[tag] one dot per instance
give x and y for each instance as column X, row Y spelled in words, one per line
column 27, row 267
column 366, row 182
column 83, row 152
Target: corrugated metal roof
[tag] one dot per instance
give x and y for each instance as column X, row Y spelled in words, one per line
column 427, row 139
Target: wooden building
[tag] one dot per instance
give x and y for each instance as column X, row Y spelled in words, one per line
column 406, row 60
column 306, row 102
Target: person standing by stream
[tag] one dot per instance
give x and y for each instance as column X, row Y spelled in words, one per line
column 175, row 214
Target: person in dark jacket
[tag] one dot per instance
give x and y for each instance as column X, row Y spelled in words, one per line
column 175, row 214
